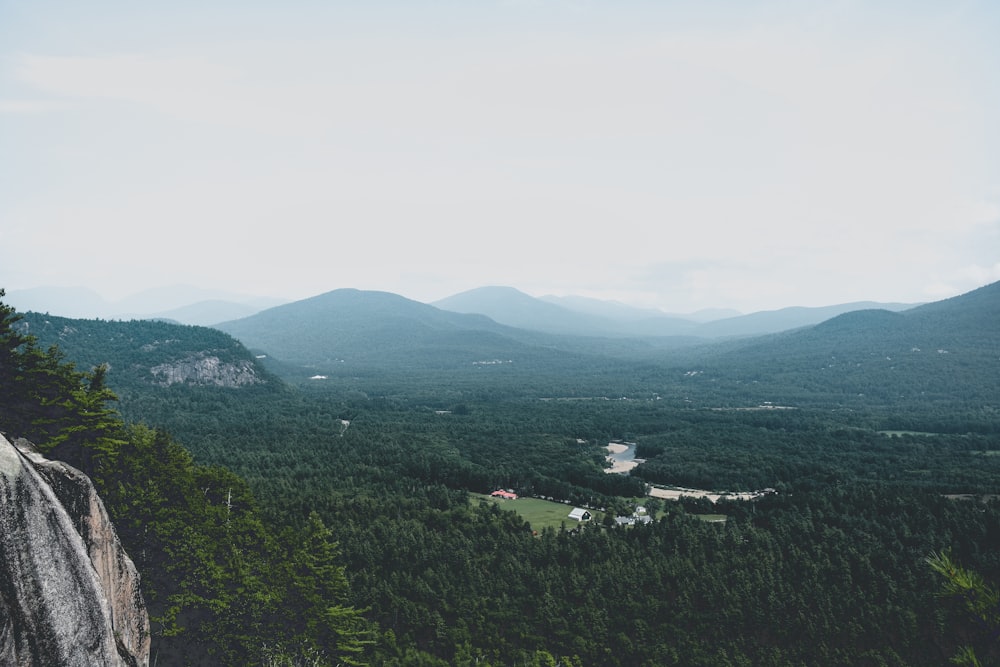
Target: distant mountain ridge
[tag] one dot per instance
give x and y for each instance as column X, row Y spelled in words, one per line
column 937, row 353
column 387, row 331
column 180, row 303
column 514, row 308
column 623, row 311
column 590, row 317
column 561, row 315
column 793, row 317
column 207, row 313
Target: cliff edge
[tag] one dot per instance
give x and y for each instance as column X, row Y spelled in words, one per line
column 69, row 594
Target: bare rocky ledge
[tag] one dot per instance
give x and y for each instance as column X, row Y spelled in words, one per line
column 69, row 594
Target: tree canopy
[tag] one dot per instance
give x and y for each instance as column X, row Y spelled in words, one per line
column 221, row 585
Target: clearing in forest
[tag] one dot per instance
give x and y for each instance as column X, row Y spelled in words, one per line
column 537, row 512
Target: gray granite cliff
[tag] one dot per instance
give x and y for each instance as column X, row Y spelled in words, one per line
column 69, row 594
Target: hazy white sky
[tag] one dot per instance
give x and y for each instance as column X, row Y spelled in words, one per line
column 677, row 154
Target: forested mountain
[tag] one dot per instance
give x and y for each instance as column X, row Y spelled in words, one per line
column 349, row 331
column 858, row 357
column 391, row 456
column 945, row 353
column 349, row 324
column 149, row 352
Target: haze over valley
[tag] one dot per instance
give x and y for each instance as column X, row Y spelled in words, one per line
column 417, row 437
column 496, row 334
column 505, row 305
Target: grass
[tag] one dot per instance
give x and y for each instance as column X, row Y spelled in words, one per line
column 539, row 513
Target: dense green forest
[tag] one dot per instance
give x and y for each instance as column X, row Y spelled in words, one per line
column 332, row 519
column 222, row 587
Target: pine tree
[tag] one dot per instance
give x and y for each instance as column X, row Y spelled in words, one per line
column 981, row 601
column 321, row 595
column 45, row 399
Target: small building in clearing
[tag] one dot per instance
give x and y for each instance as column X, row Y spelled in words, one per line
column 579, row 514
column 507, row 495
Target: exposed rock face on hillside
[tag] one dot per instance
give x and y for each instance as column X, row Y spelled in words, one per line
column 69, row 594
column 205, row 369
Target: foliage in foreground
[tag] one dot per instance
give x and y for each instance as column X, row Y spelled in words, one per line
column 978, row 600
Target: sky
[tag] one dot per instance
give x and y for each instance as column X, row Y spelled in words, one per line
column 677, row 155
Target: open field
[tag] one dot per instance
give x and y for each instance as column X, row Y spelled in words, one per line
column 537, row 512
column 546, row 513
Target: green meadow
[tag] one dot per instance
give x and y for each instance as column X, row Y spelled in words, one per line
column 537, row 512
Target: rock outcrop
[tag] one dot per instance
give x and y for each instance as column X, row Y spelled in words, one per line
column 206, row 369
column 69, row 594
